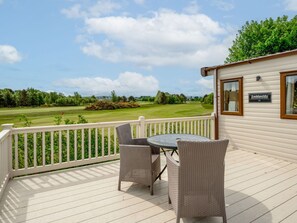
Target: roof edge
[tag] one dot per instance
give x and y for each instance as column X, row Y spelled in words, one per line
column 204, row 70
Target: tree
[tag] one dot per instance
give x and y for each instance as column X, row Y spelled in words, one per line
column 124, row 99
column 131, row 99
column 262, row 38
column 23, row 99
column 207, row 99
column 114, row 97
column 183, row 98
column 161, row 98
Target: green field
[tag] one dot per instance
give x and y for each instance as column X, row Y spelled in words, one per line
column 45, row 116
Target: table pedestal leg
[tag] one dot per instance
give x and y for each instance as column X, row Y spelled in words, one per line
column 173, row 151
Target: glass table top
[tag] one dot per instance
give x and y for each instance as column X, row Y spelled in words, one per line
column 169, row 140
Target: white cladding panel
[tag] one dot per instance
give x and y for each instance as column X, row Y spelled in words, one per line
column 260, row 129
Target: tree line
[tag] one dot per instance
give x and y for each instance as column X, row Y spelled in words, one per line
column 268, row 36
column 166, row 98
column 34, row 97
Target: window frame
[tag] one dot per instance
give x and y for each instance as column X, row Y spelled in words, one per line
column 283, row 99
column 240, row 96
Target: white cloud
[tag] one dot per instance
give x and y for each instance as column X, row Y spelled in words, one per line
column 101, row 7
column 73, row 12
column 106, row 51
column 291, row 5
column 139, row 2
column 128, row 83
column 223, row 5
column 166, row 38
column 9, row 54
column 205, row 83
column 192, row 8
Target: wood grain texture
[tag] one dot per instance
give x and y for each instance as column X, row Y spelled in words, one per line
column 258, row 188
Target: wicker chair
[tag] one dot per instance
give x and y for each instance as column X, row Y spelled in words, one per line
column 196, row 183
column 139, row 162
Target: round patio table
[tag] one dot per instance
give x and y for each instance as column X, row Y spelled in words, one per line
column 169, row 141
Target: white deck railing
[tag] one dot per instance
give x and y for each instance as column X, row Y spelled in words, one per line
column 38, row 149
column 4, row 158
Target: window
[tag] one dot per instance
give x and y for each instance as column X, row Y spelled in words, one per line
column 232, row 97
column 289, row 95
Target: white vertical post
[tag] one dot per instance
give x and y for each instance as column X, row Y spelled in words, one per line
column 141, row 126
column 212, row 130
column 9, row 147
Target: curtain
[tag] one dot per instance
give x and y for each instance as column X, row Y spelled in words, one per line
column 232, row 88
column 290, row 89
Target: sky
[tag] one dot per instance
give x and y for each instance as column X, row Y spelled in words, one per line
column 135, row 47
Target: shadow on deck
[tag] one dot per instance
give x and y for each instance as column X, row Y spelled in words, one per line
column 258, row 189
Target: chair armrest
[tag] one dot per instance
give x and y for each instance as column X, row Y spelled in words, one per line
column 171, row 161
column 173, row 179
column 143, row 141
column 135, row 154
column 139, row 141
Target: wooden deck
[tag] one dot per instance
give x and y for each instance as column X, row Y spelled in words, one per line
column 258, row 189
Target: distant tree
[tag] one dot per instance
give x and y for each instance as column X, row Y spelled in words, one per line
column 124, row 99
column 114, row 97
column 2, row 101
column 131, row 99
column 265, row 37
column 77, row 98
column 207, row 99
column 9, row 99
column 119, row 98
column 161, row 98
column 23, row 99
column 183, row 98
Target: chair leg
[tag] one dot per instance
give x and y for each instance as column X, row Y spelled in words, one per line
column 224, row 218
column 152, row 189
column 169, row 200
column 119, row 185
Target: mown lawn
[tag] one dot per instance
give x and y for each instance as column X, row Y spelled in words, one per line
column 45, row 116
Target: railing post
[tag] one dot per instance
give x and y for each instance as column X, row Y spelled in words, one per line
column 213, row 126
column 9, row 146
column 141, row 126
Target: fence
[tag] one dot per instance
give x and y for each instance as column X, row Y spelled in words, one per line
column 5, row 158
column 38, row 149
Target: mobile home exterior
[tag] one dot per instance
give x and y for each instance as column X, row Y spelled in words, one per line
column 256, row 104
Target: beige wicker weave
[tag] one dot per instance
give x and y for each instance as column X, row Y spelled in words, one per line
column 196, row 183
column 139, row 162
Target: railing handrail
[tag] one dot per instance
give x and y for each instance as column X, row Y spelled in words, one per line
column 70, row 127
column 101, row 124
column 4, row 134
column 179, row 119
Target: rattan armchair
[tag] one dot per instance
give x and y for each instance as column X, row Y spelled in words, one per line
column 139, row 162
column 196, row 183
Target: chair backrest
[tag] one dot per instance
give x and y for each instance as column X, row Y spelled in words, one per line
column 124, row 134
column 202, row 164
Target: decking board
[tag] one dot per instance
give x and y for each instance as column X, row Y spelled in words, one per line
column 259, row 189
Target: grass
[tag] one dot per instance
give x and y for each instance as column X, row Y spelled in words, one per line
column 45, row 116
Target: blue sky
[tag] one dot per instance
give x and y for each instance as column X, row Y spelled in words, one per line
column 134, row 47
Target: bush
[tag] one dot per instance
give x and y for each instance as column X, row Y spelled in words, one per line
column 108, row 105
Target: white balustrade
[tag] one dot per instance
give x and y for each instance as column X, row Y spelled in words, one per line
column 5, row 157
column 38, row 149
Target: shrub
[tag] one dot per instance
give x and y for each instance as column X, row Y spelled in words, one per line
column 108, row 105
